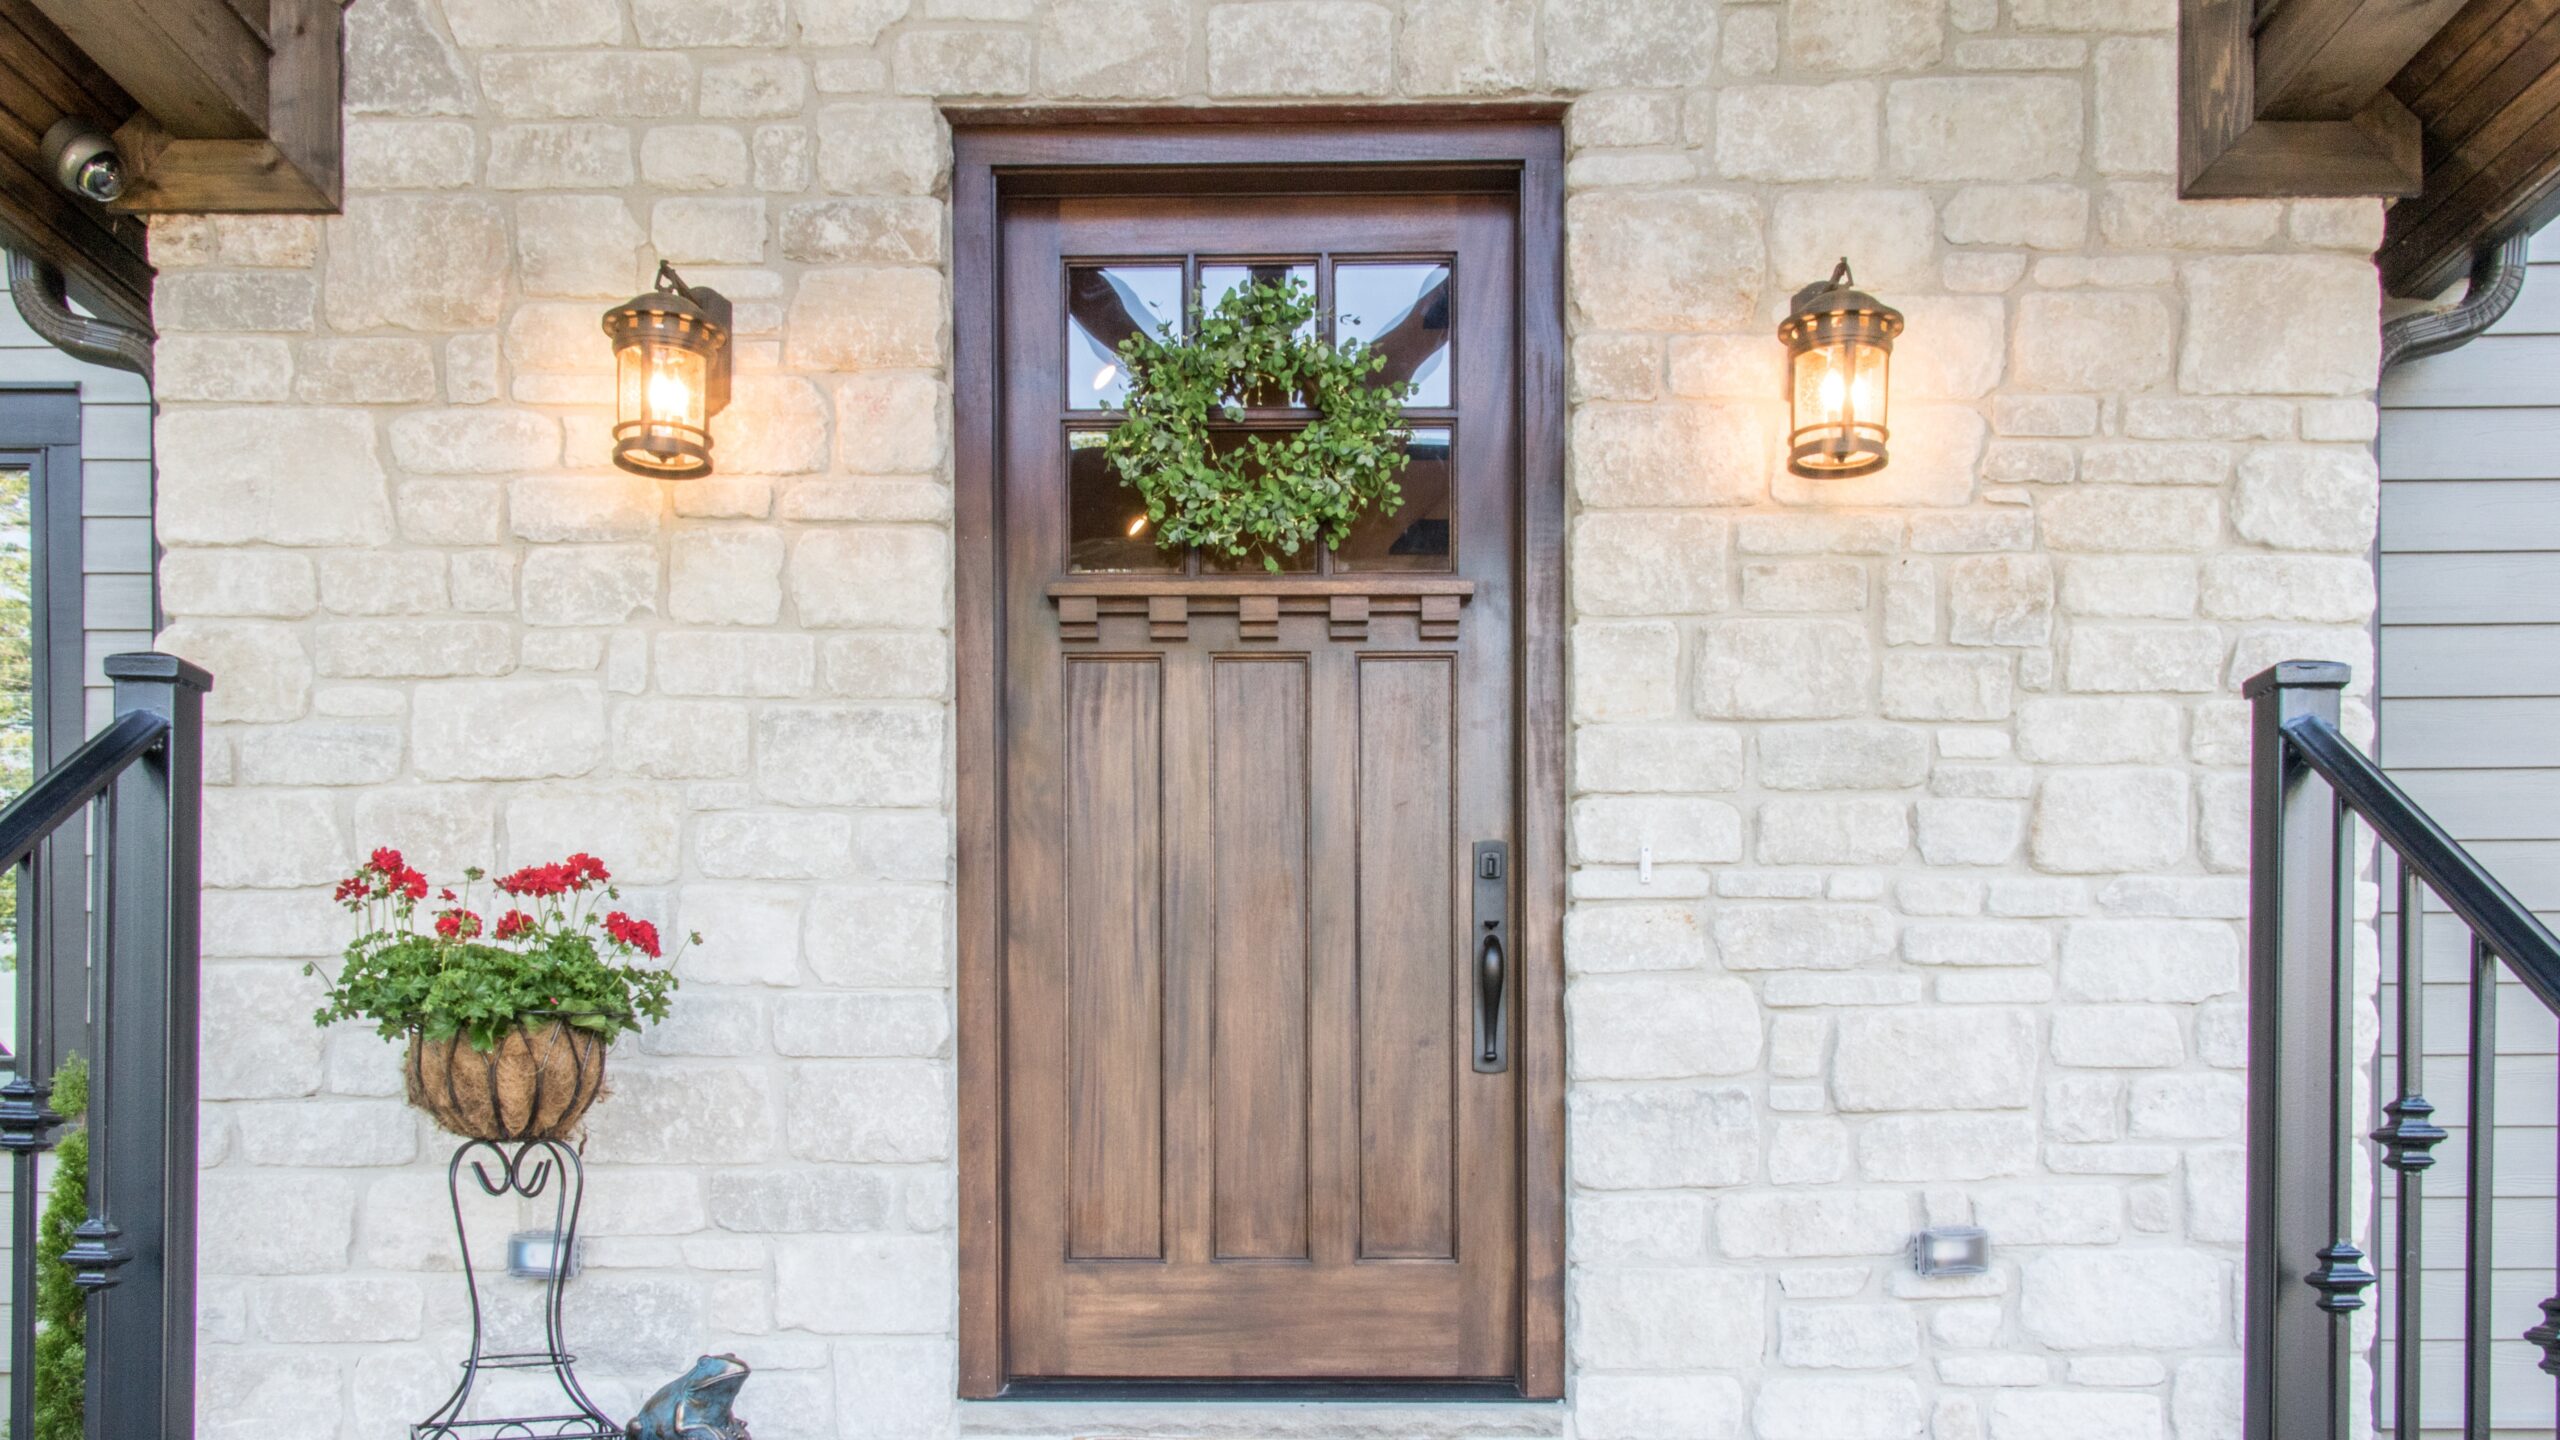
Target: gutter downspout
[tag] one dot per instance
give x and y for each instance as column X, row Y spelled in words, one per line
column 2497, row 278
column 36, row 289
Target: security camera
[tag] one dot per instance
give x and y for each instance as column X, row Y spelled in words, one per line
column 83, row 160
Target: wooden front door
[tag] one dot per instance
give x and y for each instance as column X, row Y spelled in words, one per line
column 1256, row 831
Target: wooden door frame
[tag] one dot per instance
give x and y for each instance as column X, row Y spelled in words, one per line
column 1515, row 150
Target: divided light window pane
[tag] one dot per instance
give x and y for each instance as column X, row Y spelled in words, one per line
column 1415, row 536
column 1107, row 529
column 1402, row 308
column 1217, row 281
column 1107, row 304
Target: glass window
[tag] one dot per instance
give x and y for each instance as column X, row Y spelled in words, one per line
column 1217, row 280
column 1401, row 308
column 1107, row 527
column 1415, row 536
column 1107, row 304
column 17, row 691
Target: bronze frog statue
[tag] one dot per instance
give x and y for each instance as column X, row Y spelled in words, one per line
column 695, row 1405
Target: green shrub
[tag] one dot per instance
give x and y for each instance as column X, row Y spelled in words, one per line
column 62, row 1308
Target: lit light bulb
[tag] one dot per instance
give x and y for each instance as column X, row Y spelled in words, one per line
column 1831, row 392
column 669, row 396
column 1103, row 377
column 1137, row 527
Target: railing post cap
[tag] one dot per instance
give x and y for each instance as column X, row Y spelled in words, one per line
column 2298, row 675
column 153, row 665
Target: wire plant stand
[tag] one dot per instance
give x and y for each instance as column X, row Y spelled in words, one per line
column 525, row 1168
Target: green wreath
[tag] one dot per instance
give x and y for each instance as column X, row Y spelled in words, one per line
column 1276, row 491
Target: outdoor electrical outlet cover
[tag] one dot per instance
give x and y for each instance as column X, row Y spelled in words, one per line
column 538, row 1254
column 1952, row 1250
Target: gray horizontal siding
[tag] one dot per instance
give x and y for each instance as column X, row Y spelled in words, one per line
column 2447, row 516
column 118, row 612
column 2469, row 650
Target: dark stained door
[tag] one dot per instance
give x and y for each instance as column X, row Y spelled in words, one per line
column 1245, row 1133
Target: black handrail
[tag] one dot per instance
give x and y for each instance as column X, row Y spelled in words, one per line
column 2471, row 892
column 82, row 776
column 2304, row 1270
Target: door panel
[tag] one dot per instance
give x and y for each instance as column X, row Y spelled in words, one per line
column 1244, row 1138
column 1115, row 965
column 1260, row 864
column 1407, row 1059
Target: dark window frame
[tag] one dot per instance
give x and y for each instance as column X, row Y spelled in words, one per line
column 40, row 430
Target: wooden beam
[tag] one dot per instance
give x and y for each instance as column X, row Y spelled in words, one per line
column 198, row 66
column 290, row 166
column 2327, row 59
column 2228, row 146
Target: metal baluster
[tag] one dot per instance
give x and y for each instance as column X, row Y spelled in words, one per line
column 2479, row 1181
column 26, row 1130
column 2341, row 1277
column 2408, row 1143
column 95, row 1253
column 2547, row 1336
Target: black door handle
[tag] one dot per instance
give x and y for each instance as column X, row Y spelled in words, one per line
column 1491, row 947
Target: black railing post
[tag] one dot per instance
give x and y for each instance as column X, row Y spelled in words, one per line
column 143, row 1111
column 2300, row 931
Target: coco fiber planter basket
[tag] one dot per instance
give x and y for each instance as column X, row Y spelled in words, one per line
column 535, row 1084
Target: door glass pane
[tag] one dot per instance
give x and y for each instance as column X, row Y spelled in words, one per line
column 1403, row 310
column 1107, row 525
column 1219, row 563
column 1107, row 304
column 1216, row 280
column 1416, row 535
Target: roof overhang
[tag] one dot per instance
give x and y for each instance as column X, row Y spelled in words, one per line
column 214, row 106
column 2449, row 107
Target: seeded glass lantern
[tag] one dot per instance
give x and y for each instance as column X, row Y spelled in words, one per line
column 671, row 375
column 1839, row 343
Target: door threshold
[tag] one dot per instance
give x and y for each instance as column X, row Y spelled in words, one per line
column 1364, row 1392
column 1261, row 1410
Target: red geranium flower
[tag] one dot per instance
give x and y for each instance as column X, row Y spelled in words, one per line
column 640, row 935
column 539, row 880
column 457, row 924
column 513, row 924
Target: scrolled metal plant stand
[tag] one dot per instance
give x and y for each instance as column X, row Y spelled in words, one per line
column 526, row 1168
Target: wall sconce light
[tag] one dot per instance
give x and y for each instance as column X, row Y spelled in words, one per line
column 1839, row 343
column 671, row 375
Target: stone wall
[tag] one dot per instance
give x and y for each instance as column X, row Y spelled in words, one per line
column 1941, row 771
